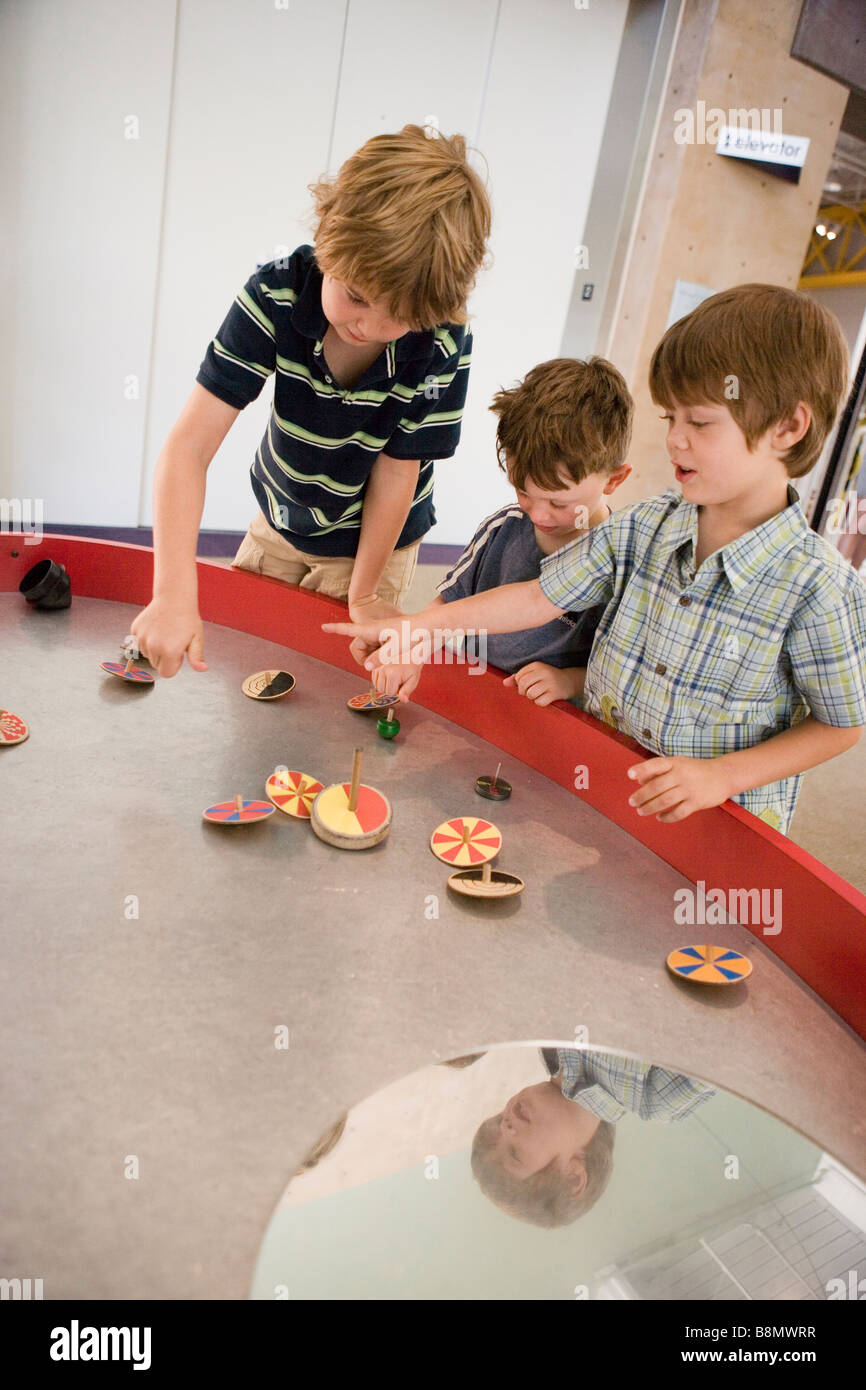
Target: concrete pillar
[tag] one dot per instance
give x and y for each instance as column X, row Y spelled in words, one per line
column 709, row 219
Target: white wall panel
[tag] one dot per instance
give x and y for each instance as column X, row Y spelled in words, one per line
column 81, row 234
column 253, row 105
column 405, row 63
column 264, row 100
column 546, row 102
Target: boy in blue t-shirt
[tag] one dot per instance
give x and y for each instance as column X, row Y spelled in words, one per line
column 561, row 437
column 367, row 335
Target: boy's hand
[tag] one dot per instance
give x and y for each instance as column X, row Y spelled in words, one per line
column 396, row 680
column 673, row 788
column 542, row 683
column 366, row 632
column 366, row 610
column 361, row 649
column 164, row 630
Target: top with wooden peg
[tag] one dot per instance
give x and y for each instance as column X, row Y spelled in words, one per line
column 128, row 671
column 238, row 811
column 268, row 685
column 388, row 725
column 293, row 792
column 465, row 841
column 12, row 729
column 486, row 882
column 493, row 788
column 371, row 700
column 351, row 815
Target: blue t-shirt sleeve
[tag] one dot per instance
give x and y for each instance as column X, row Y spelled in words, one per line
column 243, row 354
column 430, row 427
column 461, row 581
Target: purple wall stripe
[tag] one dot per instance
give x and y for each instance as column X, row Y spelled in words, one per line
column 221, row 543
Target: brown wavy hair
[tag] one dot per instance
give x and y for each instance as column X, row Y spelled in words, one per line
column 759, row 350
column 565, row 417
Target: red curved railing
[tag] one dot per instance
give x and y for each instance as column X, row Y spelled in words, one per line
column 823, row 937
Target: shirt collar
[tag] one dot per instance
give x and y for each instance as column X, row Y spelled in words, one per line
column 309, row 318
column 744, row 558
column 579, row 1083
column 681, row 524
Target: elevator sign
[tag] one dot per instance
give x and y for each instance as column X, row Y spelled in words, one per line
column 775, row 153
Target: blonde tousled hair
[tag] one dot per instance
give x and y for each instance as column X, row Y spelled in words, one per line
column 405, row 222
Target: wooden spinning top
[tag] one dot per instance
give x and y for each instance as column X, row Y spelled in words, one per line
column 486, row 883
column 293, row 792
column 388, row 726
column 350, row 815
column 127, row 672
column 709, row 965
column 466, row 841
column 493, row 788
column 12, row 729
column 268, row 685
column 238, row 812
column 371, row 700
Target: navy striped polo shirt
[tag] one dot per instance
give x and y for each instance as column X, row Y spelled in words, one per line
column 321, row 442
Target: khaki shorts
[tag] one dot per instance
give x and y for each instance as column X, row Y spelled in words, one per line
column 264, row 551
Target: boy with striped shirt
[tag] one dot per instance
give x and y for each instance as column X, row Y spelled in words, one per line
column 368, row 338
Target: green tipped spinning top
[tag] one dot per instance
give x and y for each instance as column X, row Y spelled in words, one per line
column 388, row 726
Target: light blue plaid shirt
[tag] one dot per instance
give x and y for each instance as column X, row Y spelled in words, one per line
column 610, row 1086
column 699, row 663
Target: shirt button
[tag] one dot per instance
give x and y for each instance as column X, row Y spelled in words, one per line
column 647, row 733
column 660, row 669
column 685, row 601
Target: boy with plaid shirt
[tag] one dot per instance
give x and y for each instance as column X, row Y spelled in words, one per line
column 733, row 641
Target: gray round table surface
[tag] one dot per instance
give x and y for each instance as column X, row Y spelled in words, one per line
column 150, row 960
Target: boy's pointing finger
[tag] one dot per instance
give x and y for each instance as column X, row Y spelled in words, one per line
column 368, row 632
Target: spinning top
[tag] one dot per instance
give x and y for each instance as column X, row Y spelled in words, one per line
column 486, row 883
column 238, row 812
column 493, row 788
column 465, row 841
column 371, row 700
column 709, row 965
column 127, row 672
column 268, row 685
column 12, row 729
column 293, row 792
column 350, row 815
column 388, row 726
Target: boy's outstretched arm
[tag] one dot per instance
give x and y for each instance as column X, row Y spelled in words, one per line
column 510, row 608
column 170, row 625
column 673, row 788
column 387, row 500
